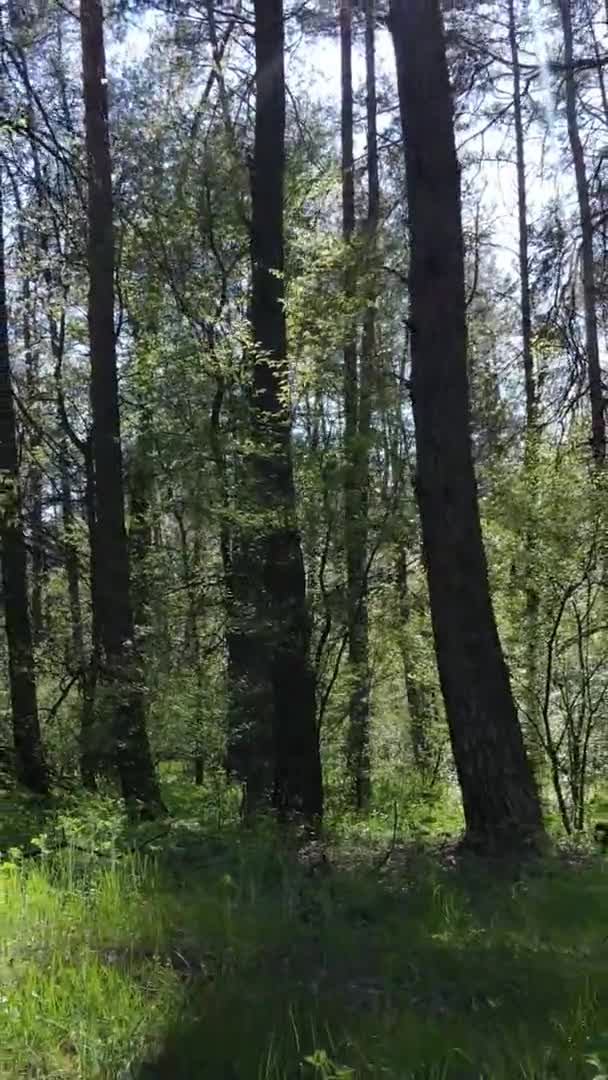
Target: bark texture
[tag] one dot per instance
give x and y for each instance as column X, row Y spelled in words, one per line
column 531, row 599
column 31, row 767
column 356, row 436
column 500, row 800
column 284, row 614
column 120, row 667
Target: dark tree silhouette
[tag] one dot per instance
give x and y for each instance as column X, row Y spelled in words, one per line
column 500, row 800
column 119, row 663
column 284, row 613
column 31, row 768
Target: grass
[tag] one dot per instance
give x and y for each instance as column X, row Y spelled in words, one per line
column 217, row 952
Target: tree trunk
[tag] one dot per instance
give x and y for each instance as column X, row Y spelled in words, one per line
column 120, row 667
column 193, row 651
column 72, row 571
column 596, row 392
column 88, row 680
column 34, row 485
column 297, row 774
column 141, row 485
column 31, row 766
column 250, row 710
column 500, row 800
column 356, row 418
column 420, row 704
column 249, row 749
column 522, row 210
column 33, row 500
column 531, row 435
column 94, row 752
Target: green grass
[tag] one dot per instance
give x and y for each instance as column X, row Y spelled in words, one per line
column 218, row 953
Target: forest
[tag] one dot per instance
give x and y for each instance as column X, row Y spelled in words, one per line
column 304, row 539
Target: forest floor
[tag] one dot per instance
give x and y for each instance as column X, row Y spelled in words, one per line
column 193, row 951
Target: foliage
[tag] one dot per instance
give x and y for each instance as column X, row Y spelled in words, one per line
column 198, row 946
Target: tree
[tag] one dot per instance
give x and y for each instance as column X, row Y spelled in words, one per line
column 500, row 800
column 358, row 401
column 119, row 661
column 596, row 388
column 531, row 435
column 356, row 435
column 31, row 767
column 297, row 767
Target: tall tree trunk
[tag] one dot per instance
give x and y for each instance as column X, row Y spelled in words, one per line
column 531, row 433
column 72, row 568
column 421, row 708
column 120, row 663
column 34, row 486
column 32, row 359
column 31, row 765
column 356, row 423
column 193, row 651
column 94, row 750
column 297, row 780
column 250, row 744
column 596, row 391
column 500, row 800
column 251, row 750
column 77, row 645
column 88, row 756
column 522, row 211
column 141, row 485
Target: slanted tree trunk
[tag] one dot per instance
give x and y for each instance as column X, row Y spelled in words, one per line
column 531, row 435
column 31, row 765
column 596, row 391
column 356, row 420
column 500, row 800
column 297, row 777
column 120, row 666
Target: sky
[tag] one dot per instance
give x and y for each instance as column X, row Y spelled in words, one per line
column 322, row 58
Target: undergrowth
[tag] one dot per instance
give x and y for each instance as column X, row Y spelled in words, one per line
column 199, row 949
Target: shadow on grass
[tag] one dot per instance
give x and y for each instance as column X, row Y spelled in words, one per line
column 433, row 973
column 225, row 954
